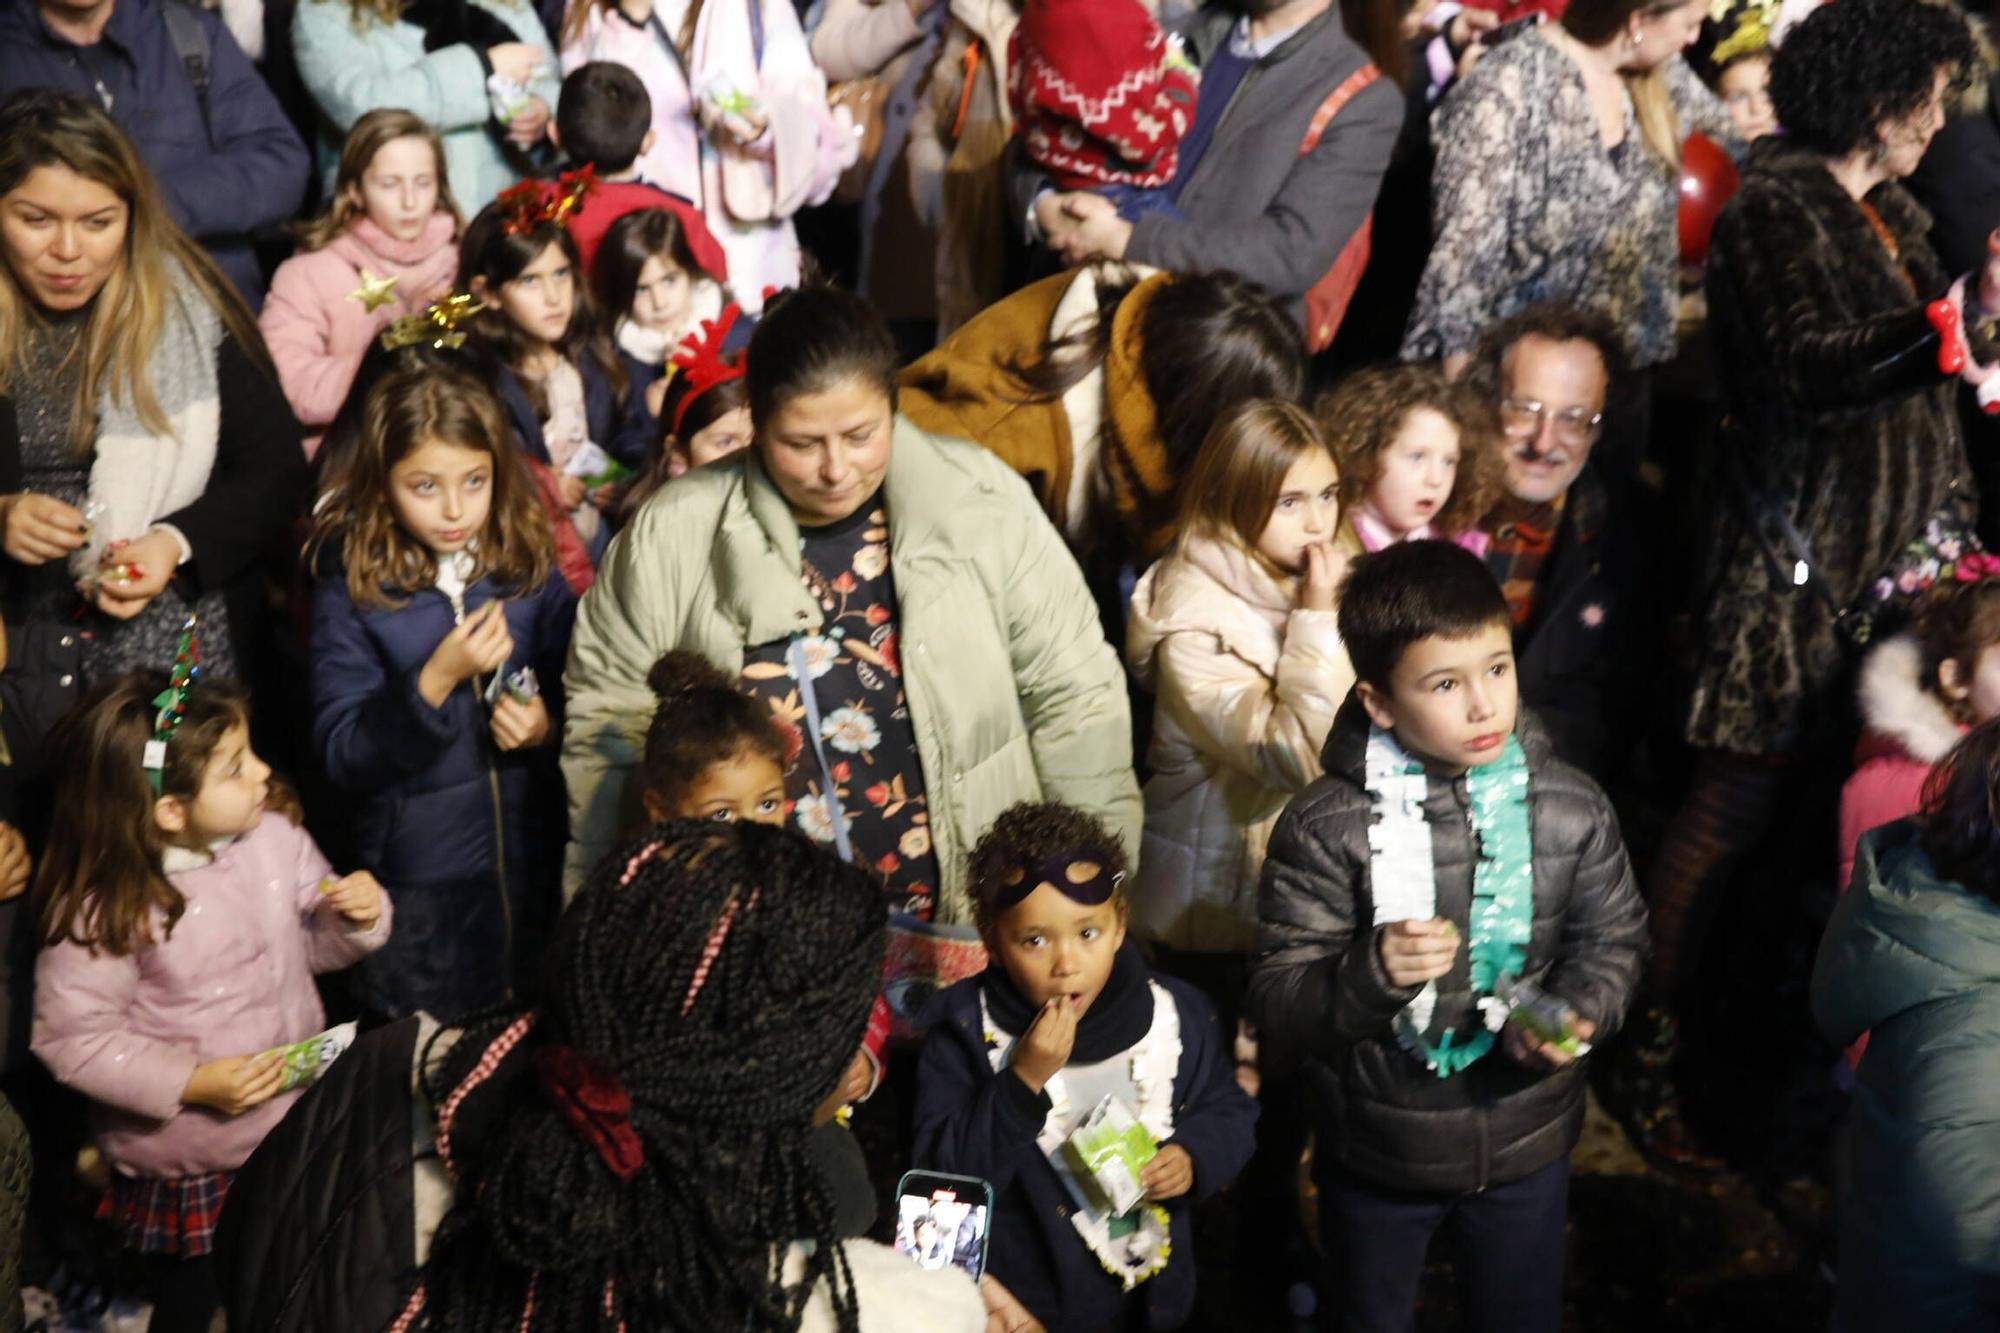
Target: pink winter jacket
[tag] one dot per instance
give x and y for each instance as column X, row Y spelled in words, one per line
column 234, row 978
column 316, row 325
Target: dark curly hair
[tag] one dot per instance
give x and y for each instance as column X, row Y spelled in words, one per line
column 702, row 720
column 1956, row 622
column 1848, row 67
column 723, row 975
column 1029, row 834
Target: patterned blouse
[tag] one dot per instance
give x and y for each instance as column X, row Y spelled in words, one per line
column 866, row 756
column 1527, row 204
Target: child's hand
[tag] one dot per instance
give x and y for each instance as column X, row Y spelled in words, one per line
column 479, row 644
column 853, row 1086
column 517, row 725
column 518, row 62
column 1004, row 1311
column 572, row 490
column 15, row 863
column 1324, row 568
column 236, row 1083
column 1169, row 1175
column 357, row 897
column 40, row 528
column 1414, row 952
column 1044, row 1048
column 134, row 573
column 1525, row 1048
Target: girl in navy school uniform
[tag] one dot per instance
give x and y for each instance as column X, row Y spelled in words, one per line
column 540, row 345
column 436, row 589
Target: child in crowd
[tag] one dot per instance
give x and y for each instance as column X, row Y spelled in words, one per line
column 386, row 248
column 1912, row 953
column 183, row 915
column 706, row 411
column 436, row 592
column 1445, row 854
column 1742, row 62
column 659, row 278
column 1065, row 1017
column 1234, row 632
column 605, row 123
column 1102, row 96
column 538, row 336
column 1417, row 457
column 712, row 753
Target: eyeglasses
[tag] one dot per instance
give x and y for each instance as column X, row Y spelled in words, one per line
column 1521, row 419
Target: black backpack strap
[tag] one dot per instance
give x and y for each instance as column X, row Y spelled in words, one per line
column 190, row 38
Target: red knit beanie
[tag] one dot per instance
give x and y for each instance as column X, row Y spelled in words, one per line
column 1095, row 95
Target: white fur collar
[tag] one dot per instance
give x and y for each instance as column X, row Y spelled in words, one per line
column 1895, row 703
column 176, row 860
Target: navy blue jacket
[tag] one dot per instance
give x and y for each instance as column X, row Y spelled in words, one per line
column 466, row 839
column 639, row 438
column 614, row 427
column 250, row 172
column 973, row 1122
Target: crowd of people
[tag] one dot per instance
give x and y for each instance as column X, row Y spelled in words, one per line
column 707, row 601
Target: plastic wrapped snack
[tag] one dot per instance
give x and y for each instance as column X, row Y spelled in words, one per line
column 1108, row 1151
column 521, row 686
column 1542, row 1014
column 306, row 1060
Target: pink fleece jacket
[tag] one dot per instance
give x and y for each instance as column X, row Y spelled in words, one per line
column 316, row 324
column 234, row 978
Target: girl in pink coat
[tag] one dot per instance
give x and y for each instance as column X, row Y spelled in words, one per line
column 388, row 247
column 182, row 919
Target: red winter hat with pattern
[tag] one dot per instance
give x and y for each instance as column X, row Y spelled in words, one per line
column 1101, row 95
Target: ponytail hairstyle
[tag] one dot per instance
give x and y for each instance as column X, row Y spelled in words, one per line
column 162, row 266
column 1365, row 412
column 417, row 402
column 370, row 135
column 701, row 720
column 1959, row 820
column 101, row 880
column 1599, row 23
column 811, row 339
column 1240, row 472
column 495, row 249
column 719, row 977
column 1955, row 622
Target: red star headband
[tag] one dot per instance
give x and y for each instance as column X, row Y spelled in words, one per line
column 529, row 204
column 699, row 359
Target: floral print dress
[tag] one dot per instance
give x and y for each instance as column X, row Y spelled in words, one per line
column 864, row 772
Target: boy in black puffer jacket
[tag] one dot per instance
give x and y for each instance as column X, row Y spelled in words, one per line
column 1445, row 849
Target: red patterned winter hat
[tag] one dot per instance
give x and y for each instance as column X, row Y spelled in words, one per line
column 1100, row 94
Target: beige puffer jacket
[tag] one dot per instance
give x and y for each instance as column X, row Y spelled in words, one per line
column 1248, row 685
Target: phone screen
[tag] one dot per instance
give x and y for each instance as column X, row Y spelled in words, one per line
column 942, row 1221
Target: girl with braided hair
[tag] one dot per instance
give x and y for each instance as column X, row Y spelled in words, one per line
column 634, row 1154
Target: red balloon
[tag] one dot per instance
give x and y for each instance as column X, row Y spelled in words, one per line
column 1708, row 178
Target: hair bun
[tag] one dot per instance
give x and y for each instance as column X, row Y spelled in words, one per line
column 681, row 673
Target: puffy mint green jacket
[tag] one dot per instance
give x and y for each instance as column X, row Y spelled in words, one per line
column 1916, row 959
column 1014, row 694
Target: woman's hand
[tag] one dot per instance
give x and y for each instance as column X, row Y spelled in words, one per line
column 41, row 528
column 1321, row 584
column 517, row 725
column 478, row 644
column 15, row 863
column 235, row 1084
column 358, row 897
column 1004, row 1311
column 519, row 61
column 1414, row 952
column 525, row 130
column 134, row 573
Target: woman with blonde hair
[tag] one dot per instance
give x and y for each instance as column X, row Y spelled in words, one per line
column 386, row 247
column 147, row 456
column 433, row 58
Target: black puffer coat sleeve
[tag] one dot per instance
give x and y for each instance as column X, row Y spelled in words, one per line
column 1604, row 937
column 1319, row 984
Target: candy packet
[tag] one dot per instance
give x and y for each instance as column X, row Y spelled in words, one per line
column 508, row 97
column 521, row 686
column 306, row 1060
column 1108, row 1151
column 1546, row 1016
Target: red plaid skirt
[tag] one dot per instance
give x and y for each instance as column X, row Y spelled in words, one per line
column 175, row 1216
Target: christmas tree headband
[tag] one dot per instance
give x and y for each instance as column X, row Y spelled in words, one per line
column 699, row 359
column 529, row 204
column 171, row 704
column 438, row 325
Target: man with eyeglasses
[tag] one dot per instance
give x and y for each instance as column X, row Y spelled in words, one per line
column 1549, row 371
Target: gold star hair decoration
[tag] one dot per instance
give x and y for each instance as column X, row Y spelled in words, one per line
column 374, row 292
column 437, row 325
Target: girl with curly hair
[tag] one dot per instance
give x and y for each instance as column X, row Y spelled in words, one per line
column 1417, row 458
